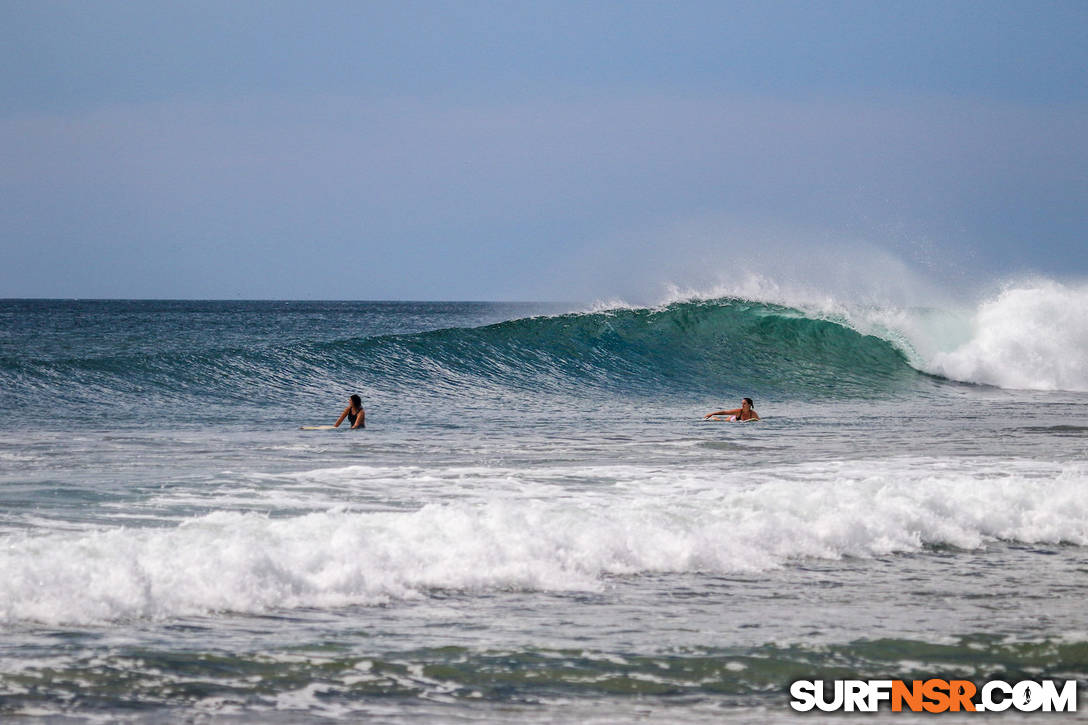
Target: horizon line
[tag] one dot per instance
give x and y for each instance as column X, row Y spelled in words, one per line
column 281, row 299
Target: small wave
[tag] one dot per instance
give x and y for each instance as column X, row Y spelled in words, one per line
column 244, row 562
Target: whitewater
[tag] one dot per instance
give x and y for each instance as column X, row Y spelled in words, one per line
column 537, row 523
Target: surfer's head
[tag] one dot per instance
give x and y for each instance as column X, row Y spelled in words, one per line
column 747, row 401
column 356, row 402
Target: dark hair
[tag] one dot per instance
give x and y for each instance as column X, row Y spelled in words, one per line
column 357, row 401
column 749, row 401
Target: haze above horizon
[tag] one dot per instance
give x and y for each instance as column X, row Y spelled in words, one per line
column 506, row 151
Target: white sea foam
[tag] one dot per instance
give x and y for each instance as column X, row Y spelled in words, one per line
column 656, row 521
column 1031, row 337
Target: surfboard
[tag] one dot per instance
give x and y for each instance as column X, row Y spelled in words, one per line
column 732, row 419
column 318, row 427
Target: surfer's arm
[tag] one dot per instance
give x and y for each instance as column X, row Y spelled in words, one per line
column 722, row 412
column 360, row 419
column 341, row 418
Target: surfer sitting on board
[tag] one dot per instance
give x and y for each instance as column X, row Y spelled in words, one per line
column 354, row 413
column 744, row 412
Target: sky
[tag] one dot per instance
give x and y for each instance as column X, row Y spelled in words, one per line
column 536, row 150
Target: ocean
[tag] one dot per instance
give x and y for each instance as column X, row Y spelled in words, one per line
column 537, row 524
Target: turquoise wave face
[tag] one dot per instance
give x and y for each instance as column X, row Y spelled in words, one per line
column 725, row 347
column 728, row 345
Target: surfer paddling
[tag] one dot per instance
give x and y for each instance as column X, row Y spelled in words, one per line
column 744, row 412
column 354, row 413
